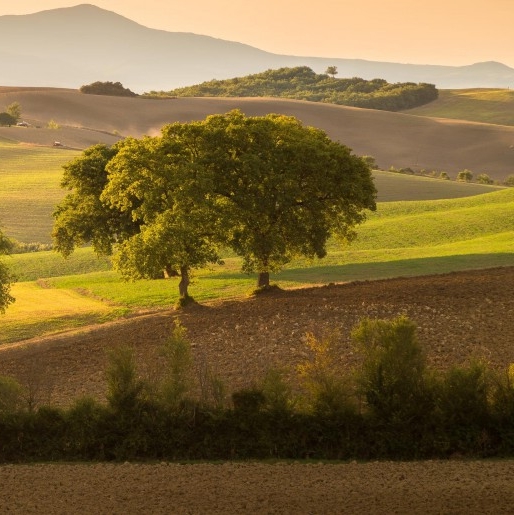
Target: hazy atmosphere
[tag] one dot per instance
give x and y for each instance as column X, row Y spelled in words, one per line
column 440, row 32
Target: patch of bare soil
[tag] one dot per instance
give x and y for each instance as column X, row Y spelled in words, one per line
column 460, row 316
column 431, row 487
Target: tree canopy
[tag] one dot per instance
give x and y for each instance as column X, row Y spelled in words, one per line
column 267, row 187
column 5, row 278
column 114, row 89
column 302, row 83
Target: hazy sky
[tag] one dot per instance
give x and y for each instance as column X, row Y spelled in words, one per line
column 455, row 32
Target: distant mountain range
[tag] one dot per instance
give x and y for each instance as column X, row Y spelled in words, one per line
column 73, row 46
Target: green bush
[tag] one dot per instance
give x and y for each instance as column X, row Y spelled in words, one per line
column 177, row 381
column 483, row 178
column 465, row 176
column 509, row 181
column 392, row 377
column 11, row 395
column 327, row 391
column 125, row 389
column 464, row 409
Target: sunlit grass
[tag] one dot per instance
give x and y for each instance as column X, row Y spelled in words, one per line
column 478, row 105
column 30, row 178
column 38, row 311
column 400, row 239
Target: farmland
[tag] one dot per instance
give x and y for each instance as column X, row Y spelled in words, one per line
column 70, row 313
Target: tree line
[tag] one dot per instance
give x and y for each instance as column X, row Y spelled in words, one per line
column 302, row 83
column 268, row 188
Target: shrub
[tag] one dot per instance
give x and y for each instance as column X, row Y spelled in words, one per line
column 509, row 181
column 463, row 405
column 6, row 120
column 392, row 377
column 327, row 391
column 177, row 380
column 444, row 176
column 124, row 387
column 483, row 178
column 465, row 176
column 277, row 392
column 11, row 395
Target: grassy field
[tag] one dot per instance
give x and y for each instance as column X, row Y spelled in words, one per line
column 29, row 189
column 400, row 239
column 27, row 171
column 476, row 105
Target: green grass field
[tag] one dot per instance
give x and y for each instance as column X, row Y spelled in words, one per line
column 477, row 105
column 30, row 179
column 30, row 189
column 400, row 239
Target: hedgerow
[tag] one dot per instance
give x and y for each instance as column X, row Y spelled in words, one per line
column 391, row 406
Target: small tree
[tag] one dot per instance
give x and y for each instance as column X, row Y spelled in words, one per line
column 483, row 178
column 392, row 376
column 444, row 176
column 14, row 110
column 465, row 176
column 332, row 71
column 509, row 181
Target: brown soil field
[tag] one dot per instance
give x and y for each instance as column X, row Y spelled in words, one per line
column 394, row 139
column 459, row 316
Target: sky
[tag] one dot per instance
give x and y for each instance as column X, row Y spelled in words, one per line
column 448, row 32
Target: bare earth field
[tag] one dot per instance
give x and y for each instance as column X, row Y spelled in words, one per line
column 394, row 139
column 459, row 316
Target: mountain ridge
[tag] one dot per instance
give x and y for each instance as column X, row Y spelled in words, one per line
column 72, row 46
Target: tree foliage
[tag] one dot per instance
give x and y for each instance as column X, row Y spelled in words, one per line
column 14, row 110
column 302, row 83
column 5, row 278
column 114, row 89
column 267, row 187
column 6, row 119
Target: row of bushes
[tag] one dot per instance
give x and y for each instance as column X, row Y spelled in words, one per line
column 391, row 406
column 462, row 176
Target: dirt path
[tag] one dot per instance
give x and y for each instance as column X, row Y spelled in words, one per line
column 432, row 487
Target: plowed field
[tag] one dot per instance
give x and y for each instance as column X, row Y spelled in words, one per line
column 459, row 316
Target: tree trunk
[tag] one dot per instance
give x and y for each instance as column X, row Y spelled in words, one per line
column 263, row 280
column 184, row 282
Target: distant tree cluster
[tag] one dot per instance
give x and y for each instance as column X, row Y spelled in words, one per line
column 302, row 83
column 114, row 89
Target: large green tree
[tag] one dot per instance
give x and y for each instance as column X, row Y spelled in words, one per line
column 139, row 201
column 281, row 189
column 5, row 278
column 268, row 187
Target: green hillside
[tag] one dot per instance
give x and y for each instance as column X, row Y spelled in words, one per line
column 400, row 239
column 301, row 83
column 477, row 105
column 30, row 179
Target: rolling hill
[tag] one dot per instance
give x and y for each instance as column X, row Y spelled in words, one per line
column 482, row 105
column 72, row 46
column 394, row 139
